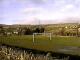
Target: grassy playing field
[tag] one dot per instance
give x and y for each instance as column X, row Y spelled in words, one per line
column 68, row 45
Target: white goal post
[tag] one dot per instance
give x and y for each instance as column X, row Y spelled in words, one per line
column 50, row 35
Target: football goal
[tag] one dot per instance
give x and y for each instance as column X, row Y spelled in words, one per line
column 49, row 35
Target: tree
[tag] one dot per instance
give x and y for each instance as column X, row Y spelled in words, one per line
column 2, row 31
column 28, row 31
column 77, row 29
column 62, row 31
column 39, row 30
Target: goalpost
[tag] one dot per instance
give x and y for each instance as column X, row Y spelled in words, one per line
column 45, row 34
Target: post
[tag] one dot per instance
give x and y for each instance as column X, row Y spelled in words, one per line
column 50, row 36
column 33, row 37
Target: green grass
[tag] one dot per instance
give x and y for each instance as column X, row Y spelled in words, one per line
column 42, row 42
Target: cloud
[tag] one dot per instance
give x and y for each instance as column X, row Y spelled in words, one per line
column 67, row 8
column 34, row 1
column 32, row 10
column 25, row 11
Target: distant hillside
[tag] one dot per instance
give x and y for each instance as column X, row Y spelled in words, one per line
column 48, row 27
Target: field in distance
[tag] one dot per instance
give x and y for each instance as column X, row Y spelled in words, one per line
column 64, row 44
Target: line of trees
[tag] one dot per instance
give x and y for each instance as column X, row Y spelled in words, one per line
column 39, row 29
column 20, row 30
column 29, row 31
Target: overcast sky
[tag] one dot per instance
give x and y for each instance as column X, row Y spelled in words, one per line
column 31, row 11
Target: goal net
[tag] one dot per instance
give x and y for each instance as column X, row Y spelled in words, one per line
column 42, row 35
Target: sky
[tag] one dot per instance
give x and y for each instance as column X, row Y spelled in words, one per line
column 35, row 11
